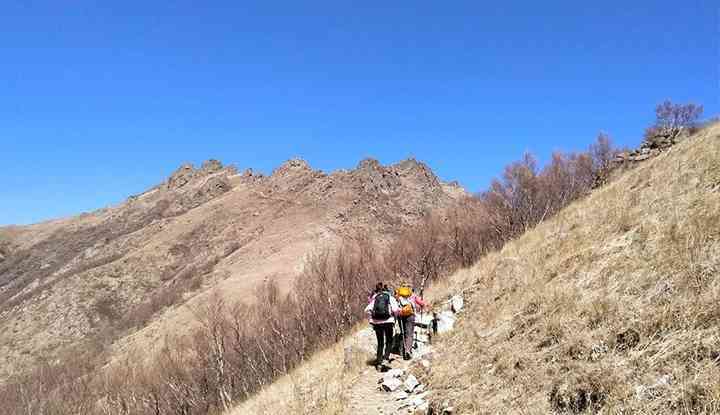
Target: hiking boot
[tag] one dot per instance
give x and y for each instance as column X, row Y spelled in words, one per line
column 407, row 356
column 378, row 368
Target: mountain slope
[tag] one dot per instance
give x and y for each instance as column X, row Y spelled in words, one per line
column 91, row 280
column 613, row 306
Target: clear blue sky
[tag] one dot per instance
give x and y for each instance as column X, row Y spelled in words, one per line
column 100, row 100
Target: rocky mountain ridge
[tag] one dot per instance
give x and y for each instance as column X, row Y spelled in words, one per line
column 127, row 269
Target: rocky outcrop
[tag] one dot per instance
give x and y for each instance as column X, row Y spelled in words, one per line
column 180, row 177
column 650, row 147
column 211, row 166
column 187, row 174
column 211, row 189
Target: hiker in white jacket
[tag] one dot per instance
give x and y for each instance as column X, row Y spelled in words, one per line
column 381, row 311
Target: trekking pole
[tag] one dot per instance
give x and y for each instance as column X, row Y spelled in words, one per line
column 415, row 332
column 402, row 337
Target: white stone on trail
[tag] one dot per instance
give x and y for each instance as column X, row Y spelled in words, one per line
column 391, row 385
column 446, row 321
column 424, row 318
column 393, row 373
column 456, row 303
column 418, row 400
column 401, row 395
column 411, row 383
column 425, row 363
column 420, row 388
column 422, row 395
column 421, row 408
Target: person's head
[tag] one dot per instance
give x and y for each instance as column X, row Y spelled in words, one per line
column 379, row 287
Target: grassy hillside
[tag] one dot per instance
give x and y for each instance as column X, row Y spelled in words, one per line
column 612, row 306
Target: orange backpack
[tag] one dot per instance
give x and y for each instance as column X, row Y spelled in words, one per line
column 406, row 307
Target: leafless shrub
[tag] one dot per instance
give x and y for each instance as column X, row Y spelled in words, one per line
column 672, row 119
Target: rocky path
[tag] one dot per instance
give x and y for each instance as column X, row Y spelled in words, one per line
column 369, row 395
column 394, row 390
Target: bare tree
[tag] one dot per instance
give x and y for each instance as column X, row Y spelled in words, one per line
column 673, row 119
column 211, row 344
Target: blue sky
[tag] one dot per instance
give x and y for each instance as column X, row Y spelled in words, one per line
column 100, row 100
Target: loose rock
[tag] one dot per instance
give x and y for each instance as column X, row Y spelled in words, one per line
column 411, row 383
column 391, row 385
column 456, row 303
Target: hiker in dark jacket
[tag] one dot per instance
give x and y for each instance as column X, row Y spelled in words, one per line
column 381, row 311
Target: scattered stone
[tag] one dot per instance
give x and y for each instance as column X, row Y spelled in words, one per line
column 445, row 321
column 456, row 303
column 425, row 363
column 391, row 385
column 421, row 406
column 402, row 395
column 393, row 373
column 411, row 383
column 420, row 388
column 422, row 395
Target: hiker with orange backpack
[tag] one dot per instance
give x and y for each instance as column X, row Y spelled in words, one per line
column 409, row 304
column 382, row 310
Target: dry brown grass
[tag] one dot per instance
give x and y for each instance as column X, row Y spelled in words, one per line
column 613, row 306
column 319, row 387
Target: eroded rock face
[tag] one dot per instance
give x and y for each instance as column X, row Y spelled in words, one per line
column 291, row 166
column 214, row 187
column 181, row 177
column 211, row 166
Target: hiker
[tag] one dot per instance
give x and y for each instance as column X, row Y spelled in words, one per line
column 409, row 304
column 381, row 310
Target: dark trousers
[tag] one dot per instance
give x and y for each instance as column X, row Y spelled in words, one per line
column 384, row 334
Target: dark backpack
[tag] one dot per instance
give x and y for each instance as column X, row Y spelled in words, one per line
column 381, row 307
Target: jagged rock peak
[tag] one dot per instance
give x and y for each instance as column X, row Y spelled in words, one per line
column 187, row 172
column 368, row 163
column 211, row 166
column 411, row 164
column 296, row 164
column 412, row 167
column 181, row 176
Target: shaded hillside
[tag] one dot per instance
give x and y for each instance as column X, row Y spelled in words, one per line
column 613, row 306
column 99, row 276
